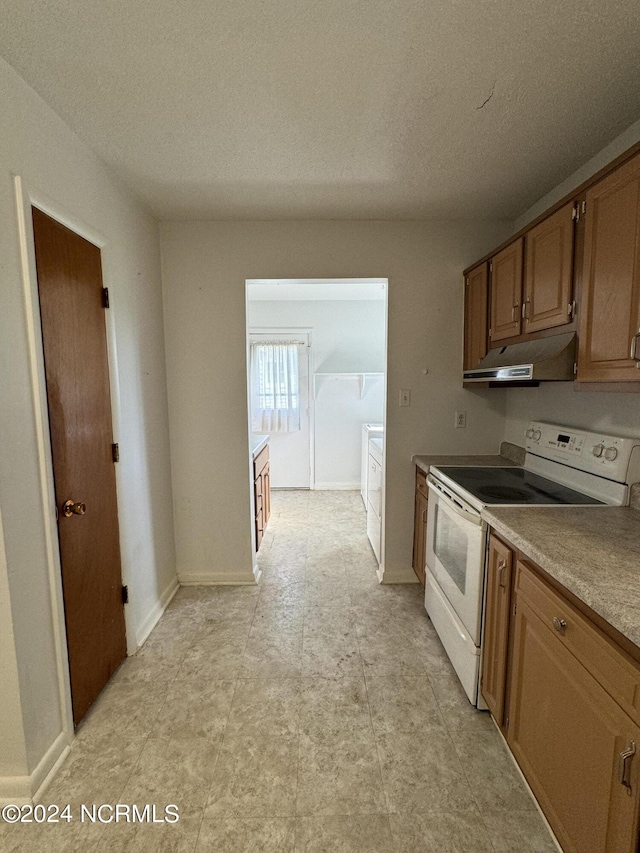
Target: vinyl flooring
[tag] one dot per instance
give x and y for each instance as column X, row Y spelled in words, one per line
column 315, row 712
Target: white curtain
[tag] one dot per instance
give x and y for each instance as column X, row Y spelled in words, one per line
column 275, row 398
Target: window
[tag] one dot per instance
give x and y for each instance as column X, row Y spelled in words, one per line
column 275, row 399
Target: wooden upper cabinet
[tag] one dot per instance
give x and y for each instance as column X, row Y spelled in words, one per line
column 476, row 302
column 496, row 627
column 549, row 272
column 506, row 291
column 610, row 301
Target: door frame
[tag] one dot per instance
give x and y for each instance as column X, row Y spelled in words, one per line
column 291, row 331
column 26, row 198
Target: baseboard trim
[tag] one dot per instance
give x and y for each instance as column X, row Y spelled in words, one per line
column 337, row 487
column 218, row 579
column 398, row 576
column 22, row 790
column 152, row 618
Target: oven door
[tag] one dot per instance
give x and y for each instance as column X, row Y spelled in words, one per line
column 456, row 538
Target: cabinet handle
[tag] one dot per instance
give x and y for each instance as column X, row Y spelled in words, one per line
column 559, row 624
column 624, row 766
column 514, row 311
column 424, row 516
column 502, row 565
column 634, row 347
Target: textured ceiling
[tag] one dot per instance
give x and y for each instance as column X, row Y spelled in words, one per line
column 247, row 109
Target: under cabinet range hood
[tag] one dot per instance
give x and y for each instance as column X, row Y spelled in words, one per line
column 543, row 360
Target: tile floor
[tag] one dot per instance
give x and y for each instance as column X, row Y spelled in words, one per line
column 314, row 712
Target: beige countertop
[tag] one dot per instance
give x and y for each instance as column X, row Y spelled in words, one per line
column 592, row 551
column 257, row 442
column 425, row 462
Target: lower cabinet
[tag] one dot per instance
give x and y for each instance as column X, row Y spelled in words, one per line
column 262, row 492
column 496, row 636
column 420, row 526
column 569, row 701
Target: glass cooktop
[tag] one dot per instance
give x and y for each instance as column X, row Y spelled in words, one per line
column 513, row 486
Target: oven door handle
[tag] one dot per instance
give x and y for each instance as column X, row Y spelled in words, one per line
column 452, row 503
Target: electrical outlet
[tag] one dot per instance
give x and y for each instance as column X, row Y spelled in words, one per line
column 405, row 397
column 461, row 420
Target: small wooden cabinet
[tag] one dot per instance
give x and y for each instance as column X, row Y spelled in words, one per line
column 548, row 300
column 506, row 291
column 610, row 313
column 420, row 526
column 476, row 302
column 568, row 701
column 262, row 492
column 575, row 744
column 496, row 627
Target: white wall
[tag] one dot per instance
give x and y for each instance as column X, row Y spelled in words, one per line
column 347, row 335
column 36, row 145
column 558, row 402
column 205, row 266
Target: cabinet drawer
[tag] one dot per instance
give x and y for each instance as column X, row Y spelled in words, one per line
column 606, row 662
column 421, row 483
column 261, row 460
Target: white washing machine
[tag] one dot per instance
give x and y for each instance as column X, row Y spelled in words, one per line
column 368, row 431
column 374, row 497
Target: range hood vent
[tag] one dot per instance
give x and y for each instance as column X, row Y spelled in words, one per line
column 543, row 360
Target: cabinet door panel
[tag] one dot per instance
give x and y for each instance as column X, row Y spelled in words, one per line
column 548, row 272
column 496, row 627
column 567, row 735
column 610, row 310
column 419, row 536
column 506, row 291
column 476, row 301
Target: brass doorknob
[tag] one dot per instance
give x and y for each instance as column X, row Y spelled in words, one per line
column 70, row 508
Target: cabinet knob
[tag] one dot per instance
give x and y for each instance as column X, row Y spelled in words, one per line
column 559, row 624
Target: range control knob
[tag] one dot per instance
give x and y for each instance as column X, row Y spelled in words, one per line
column 598, row 450
column 611, row 453
column 530, row 432
column 537, row 435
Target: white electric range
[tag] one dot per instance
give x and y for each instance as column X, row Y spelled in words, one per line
column 563, row 467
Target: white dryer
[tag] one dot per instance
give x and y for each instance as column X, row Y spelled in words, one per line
column 368, row 431
column 374, row 497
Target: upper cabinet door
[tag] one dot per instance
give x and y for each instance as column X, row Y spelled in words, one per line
column 506, row 291
column 476, row 301
column 548, row 272
column 610, row 302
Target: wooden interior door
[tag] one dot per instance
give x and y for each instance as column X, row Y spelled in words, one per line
column 549, row 271
column 476, row 300
column 506, row 291
column 610, row 310
column 77, row 375
column 496, row 627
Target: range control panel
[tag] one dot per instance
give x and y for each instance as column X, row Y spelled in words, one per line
column 609, row 456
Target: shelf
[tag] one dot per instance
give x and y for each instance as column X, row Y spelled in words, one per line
column 363, row 378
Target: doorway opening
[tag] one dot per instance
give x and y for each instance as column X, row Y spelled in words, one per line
column 316, row 379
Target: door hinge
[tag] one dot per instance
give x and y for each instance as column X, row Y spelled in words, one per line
column 125, row 594
column 575, row 214
column 490, row 332
column 575, row 368
column 584, row 208
column 571, row 309
column 115, row 452
column 105, row 297
column 490, row 267
column 506, row 723
column 515, row 609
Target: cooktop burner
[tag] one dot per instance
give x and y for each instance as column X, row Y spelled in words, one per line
column 513, row 486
